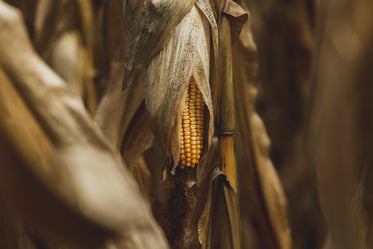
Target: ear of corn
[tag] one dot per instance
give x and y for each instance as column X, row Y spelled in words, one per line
column 178, row 77
column 192, row 127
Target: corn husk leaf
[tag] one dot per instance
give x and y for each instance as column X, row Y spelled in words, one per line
column 208, row 12
column 236, row 14
column 167, row 78
column 217, row 212
column 219, row 226
column 237, row 17
column 148, row 26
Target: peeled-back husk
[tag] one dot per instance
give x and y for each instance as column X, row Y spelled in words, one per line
column 149, row 25
column 167, row 78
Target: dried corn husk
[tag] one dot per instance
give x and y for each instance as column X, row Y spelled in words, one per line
column 219, row 223
column 217, row 212
column 148, row 26
column 187, row 54
column 237, row 17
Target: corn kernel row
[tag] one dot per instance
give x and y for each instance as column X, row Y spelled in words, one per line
column 192, row 127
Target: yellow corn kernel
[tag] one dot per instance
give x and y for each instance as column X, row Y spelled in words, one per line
column 192, row 127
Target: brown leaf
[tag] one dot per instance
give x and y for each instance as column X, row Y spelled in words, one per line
column 218, row 209
column 26, row 155
column 148, row 26
column 220, row 218
column 237, row 18
column 117, row 108
column 137, row 139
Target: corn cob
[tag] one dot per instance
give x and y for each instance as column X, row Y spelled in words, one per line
column 192, row 127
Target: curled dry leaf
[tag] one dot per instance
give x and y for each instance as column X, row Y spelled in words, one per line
column 219, row 223
column 237, row 17
column 168, row 78
column 217, row 213
column 149, row 25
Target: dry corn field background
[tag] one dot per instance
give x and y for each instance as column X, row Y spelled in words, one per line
column 186, row 124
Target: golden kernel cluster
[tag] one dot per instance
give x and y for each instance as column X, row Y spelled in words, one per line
column 191, row 132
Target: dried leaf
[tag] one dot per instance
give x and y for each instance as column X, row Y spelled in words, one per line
column 26, row 156
column 217, row 213
column 137, row 139
column 271, row 187
column 220, row 217
column 237, row 18
column 117, row 108
column 148, row 26
column 208, row 12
